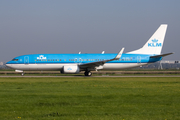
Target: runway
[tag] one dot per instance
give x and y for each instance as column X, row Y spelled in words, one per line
column 92, row 76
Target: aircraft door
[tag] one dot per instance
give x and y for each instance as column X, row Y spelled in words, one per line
column 26, row 60
column 139, row 59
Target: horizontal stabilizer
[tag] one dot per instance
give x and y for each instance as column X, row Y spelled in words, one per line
column 162, row 55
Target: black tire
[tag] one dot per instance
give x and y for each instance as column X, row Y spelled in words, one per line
column 87, row 73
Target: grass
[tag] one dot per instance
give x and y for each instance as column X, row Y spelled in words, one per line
column 90, row 98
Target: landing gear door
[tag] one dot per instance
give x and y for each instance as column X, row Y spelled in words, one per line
column 26, row 60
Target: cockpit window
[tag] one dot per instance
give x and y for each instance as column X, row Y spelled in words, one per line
column 14, row 59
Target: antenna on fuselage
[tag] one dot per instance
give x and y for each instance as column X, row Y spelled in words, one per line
column 103, row 52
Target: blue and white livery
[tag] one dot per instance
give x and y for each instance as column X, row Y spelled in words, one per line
column 74, row 63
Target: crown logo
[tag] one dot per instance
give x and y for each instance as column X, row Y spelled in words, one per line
column 154, row 40
column 69, row 68
column 41, row 57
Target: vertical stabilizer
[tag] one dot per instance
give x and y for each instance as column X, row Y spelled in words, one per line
column 154, row 44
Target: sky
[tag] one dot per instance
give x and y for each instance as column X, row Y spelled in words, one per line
column 89, row 26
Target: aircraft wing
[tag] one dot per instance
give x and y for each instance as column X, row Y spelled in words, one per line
column 162, row 55
column 92, row 65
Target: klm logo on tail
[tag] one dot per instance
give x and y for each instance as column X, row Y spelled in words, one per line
column 154, row 43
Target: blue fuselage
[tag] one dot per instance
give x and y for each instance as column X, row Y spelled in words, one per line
column 57, row 61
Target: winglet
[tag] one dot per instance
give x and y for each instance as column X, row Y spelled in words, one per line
column 119, row 54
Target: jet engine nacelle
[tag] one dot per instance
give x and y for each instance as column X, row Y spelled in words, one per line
column 70, row 69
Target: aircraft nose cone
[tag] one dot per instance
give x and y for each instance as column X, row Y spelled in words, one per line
column 8, row 64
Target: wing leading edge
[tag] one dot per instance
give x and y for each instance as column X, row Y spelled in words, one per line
column 94, row 65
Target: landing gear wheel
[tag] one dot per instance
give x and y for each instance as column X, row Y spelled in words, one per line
column 87, row 73
column 22, row 74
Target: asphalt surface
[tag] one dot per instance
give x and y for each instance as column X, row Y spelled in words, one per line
column 95, row 76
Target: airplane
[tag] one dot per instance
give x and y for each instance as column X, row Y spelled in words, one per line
column 75, row 63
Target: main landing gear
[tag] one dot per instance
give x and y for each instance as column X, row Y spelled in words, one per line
column 87, row 73
column 22, row 74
